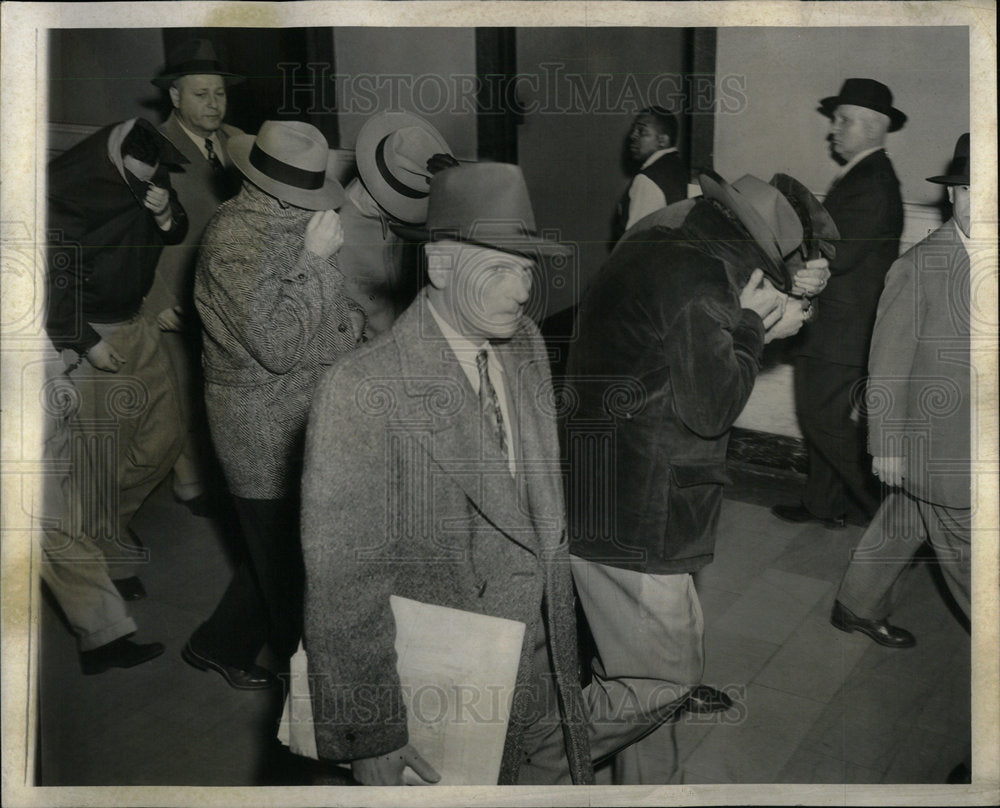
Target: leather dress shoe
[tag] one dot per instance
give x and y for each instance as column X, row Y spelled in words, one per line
column 253, row 678
column 130, row 588
column 120, row 653
column 879, row 630
column 800, row 513
column 706, row 699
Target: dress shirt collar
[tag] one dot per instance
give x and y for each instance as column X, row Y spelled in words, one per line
column 857, row 158
column 199, row 141
column 656, row 156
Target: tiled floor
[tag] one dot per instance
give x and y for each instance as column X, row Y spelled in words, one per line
column 815, row 705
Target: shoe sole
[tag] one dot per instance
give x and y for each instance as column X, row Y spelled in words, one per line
column 877, row 638
column 203, row 664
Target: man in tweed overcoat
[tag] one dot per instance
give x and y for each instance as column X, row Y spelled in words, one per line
column 414, row 486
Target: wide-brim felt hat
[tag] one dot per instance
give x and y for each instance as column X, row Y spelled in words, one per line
column 765, row 213
column 392, row 151
column 960, row 165
column 865, row 93
column 818, row 227
column 195, row 57
column 289, row 160
column 487, row 205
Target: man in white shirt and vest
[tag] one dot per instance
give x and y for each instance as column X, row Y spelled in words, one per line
column 662, row 178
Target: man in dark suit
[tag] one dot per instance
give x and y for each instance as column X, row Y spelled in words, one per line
column 432, row 473
column 662, row 178
column 919, row 422
column 196, row 81
column 866, row 206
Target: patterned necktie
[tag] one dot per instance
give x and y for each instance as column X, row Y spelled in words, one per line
column 489, row 404
column 213, row 158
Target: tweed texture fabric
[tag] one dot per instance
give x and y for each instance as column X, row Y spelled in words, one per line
column 274, row 316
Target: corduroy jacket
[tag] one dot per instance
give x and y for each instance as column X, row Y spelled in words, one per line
column 664, row 362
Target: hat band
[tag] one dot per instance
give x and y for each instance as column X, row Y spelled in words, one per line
column 195, row 66
column 391, row 181
column 283, row 172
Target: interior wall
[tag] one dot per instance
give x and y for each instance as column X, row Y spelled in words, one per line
column 786, row 71
column 428, row 71
column 99, row 76
column 571, row 142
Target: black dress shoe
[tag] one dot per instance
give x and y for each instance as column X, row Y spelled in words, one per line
column 800, row 513
column 120, row 653
column 200, row 505
column 879, row 630
column 253, row 678
column 706, row 699
column 130, row 588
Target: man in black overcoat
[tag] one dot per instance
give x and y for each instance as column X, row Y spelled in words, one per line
column 832, row 356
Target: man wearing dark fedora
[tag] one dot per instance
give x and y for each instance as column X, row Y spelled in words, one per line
column 196, row 82
column 432, row 473
column 396, row 154
column 920, row 447
column 831, row 356
column 671, row 337
column 274, row 316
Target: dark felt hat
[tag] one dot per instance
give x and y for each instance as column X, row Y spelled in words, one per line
column 485, row 204
column 819, row 231
column 195, row 57
column 865, row 93
column 958, row 168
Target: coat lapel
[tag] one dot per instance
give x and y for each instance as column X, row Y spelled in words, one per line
column 440, row 408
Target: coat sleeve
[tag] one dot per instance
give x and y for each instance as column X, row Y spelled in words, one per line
column 272, row 315
column 714, row 355
column 890, row 363
column 349, row 629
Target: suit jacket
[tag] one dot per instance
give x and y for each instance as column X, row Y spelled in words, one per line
column 919, row 384
column 664, row 363
column 402, row 495
column 201, row 191
column 868, row 210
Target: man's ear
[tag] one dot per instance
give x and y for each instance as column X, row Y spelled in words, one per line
column 175, row 96
column 440, row 263
column 663, row 141
column 951, row 194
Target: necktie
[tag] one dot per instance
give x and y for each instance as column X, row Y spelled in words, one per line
column 213, row 158
column 489, row 404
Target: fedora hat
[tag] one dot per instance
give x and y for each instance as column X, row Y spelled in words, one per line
column 194, row 57
column 763, row 210
column 819, row 231
column 865, row 93
column 392, row 153
column 289, row 160
column 958, row 168
column 485, row 204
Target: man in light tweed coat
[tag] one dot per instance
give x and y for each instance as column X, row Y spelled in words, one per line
column 432, row 473
column 274, row 316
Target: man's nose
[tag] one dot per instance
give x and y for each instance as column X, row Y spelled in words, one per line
column 522, row 285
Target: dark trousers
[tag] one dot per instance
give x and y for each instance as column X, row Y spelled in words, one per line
column 840, row 481
column 263, row 602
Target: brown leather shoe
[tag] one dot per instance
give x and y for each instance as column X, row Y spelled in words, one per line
column 879, row 630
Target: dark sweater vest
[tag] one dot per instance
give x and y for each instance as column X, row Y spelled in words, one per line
column 670, row 176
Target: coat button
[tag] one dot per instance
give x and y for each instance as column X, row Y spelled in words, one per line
column 342, row 327
column 302, row 276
